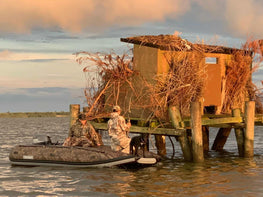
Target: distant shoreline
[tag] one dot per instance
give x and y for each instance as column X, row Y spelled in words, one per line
column 33, row 114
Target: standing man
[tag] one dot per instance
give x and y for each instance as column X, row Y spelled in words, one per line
column 118, row 129
column 82, row 133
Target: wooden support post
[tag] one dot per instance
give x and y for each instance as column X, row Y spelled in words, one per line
column 239, row 132
column 176, row 119
column 159, row 141
column 205, row 132
column 249, row 131
column 185, row 146
column 221, row 138
column 196, row 125
column 74, row 113
column 160, row 144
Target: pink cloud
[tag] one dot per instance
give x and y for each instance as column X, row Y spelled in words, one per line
column 239, row 17
column 77, row 15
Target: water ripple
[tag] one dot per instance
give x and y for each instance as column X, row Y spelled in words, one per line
column 222, row 174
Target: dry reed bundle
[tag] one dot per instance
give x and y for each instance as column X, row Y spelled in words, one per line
column 183, row 84
column 238, row 74
column 256, row 92
column 168, row 42
column 239, row 85
column 105, row 72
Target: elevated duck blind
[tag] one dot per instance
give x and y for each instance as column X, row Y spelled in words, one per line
column 203, row 75
column 166, row 70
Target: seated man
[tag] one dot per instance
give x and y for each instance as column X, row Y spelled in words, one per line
column 118, row 129
column 83, row 134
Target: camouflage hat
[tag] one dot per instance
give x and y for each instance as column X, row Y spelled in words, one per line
column 116, row 108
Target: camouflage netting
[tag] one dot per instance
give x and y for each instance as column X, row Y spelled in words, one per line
column 183, row 83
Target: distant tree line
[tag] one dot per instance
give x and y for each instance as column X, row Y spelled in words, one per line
column 33, row 114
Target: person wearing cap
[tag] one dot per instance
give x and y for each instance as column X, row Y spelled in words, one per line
column 82, row 133
column 118, row 128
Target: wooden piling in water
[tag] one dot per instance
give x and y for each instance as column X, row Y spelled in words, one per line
column 159, row 139
column 74, row 113
column 249, row 130
column 205, row 133
column 196, row 126
column 221, row 139
column 177, row 123
column 160, row 144
column 239, row 133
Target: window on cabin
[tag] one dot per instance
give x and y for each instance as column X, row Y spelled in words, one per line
column 211, row 60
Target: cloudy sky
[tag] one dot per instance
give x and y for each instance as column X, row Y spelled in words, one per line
column 38, row 71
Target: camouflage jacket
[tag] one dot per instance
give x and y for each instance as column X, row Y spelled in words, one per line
column 78, row 130
column 117, row 125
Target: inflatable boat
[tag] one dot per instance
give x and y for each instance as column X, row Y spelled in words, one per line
column 58, row 155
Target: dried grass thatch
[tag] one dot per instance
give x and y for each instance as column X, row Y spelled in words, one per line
column 238, row 75
column 183, row 84
column 167, row 42
column 239, row 85
column 105, row 72
column 175, row 43
column 256, row 92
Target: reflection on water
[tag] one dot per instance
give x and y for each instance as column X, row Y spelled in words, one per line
column 222, row 174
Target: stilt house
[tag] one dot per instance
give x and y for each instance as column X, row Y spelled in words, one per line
column 150, row 59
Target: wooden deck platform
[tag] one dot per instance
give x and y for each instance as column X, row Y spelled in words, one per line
column 218, row 121
column 193, row 132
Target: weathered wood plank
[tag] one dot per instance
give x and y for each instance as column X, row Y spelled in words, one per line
column 259, row 119
column 232, row 125
column 217, row 121
column 137, row 129
column 222, row 121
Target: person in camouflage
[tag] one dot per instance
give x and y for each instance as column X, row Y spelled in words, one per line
column 82, row 133
column 118, row 129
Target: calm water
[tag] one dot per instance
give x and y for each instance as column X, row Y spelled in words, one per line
column 222, row 174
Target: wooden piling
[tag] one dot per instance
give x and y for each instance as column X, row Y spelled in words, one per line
column 177, row 123
column 176, row 117
column 239, row 133
column 221, row 139
column 74, row 113
column 249, row 130
column 160, row 144
column 196, row 126
column 159, row 139
column 205, row 133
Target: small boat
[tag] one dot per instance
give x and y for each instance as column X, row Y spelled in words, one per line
column 44, row 154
